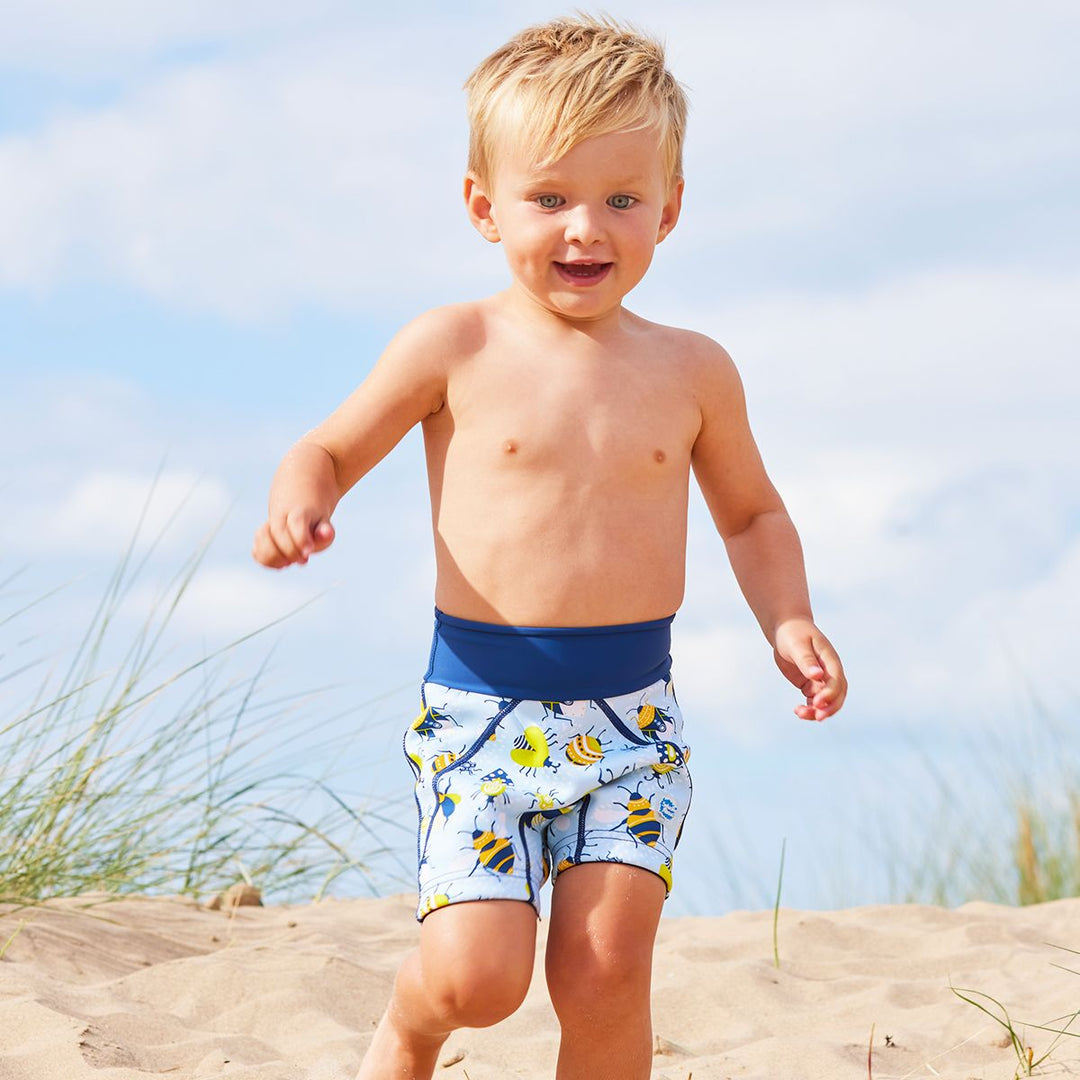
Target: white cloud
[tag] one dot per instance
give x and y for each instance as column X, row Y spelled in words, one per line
column 291, row 173
column 805, row 106
column 71, row 36
column 239, row 188
column 102, row 512
column 1010, row 648
column 723, row 674
column 900, row 422
column 224, row 601
column 946, row 344
column 72, row 497
column 922, row 434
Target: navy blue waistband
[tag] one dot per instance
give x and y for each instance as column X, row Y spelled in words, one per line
column 559, row 663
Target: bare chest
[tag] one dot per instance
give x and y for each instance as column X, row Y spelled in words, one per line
column 585, row 420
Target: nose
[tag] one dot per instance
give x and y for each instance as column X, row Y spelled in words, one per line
column 583, row 225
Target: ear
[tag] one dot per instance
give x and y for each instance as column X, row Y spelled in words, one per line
column 480, row 208
column 670, row 214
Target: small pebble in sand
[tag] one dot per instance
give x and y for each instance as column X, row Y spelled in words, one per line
column 238, row 895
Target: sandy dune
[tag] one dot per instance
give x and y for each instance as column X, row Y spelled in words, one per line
column 161, row 987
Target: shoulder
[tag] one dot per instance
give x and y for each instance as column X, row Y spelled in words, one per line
column 421, row 356
column 703, row 362
column 707, row 372
column 442, row 333
column 716, row 377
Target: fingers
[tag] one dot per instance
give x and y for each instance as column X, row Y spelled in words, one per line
column 808, row 663
column 323, row 535
column 811, row 663
column 265, row 551
column 830, row 697
column 826, row 685
column 291, row 539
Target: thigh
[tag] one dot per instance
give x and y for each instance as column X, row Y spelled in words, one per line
column 468, row 947
column 603, row 924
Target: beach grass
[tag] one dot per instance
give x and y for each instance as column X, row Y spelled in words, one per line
column 1027, row 1060
column 1007, row 832
column 121, row 775
column 776, row 908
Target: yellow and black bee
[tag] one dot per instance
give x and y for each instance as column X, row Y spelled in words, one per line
column 494, row 852
column 641, row 821
column 652, row 721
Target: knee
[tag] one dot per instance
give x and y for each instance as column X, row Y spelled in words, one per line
column 596, row 984
column 479, row 993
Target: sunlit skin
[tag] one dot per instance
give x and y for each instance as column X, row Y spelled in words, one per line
column 560, row 431
column 567, row 426
column 579, row 233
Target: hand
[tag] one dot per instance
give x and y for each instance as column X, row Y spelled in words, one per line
column 807, row 660
column 292, row 538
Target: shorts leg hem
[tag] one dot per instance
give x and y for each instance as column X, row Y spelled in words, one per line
column 435, row 896
column 617, row 847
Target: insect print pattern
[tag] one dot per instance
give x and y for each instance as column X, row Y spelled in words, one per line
column 430, row 721
column 512, row 793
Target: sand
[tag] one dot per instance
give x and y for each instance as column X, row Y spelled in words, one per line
column 162, row 987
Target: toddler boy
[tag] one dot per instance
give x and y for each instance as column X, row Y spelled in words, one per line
column 560, row 430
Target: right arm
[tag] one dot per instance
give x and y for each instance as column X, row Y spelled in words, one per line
column 407, row 384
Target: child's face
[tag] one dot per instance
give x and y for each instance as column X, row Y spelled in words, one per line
column 579, row 233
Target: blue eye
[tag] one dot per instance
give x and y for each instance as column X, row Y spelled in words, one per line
column 548, row 202
column 621, row 202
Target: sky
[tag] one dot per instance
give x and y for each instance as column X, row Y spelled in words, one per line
column 213, row 219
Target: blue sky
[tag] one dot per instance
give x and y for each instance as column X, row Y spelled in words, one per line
column 211, row 221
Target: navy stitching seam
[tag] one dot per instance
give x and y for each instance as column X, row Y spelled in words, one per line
column 525, row 848
column 495, row 721
column 431, row 655
column 581, row 827
column 609, row 712
column 686, row 812
column 416, row 797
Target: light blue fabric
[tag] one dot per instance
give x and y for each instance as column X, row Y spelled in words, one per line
column 509, row 790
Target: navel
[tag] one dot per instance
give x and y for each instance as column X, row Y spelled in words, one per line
column 659, row 456
column 510, row 446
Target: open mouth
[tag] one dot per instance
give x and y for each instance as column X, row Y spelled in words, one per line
column 583, row 273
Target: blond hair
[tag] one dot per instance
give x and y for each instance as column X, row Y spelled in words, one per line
column 553, row 86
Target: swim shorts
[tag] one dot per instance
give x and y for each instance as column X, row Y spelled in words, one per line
column 537, row 749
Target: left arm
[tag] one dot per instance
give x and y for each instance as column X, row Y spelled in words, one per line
column 761, row 540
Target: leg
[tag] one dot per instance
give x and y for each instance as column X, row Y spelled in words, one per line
column 599, row 969
column 472, row 969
